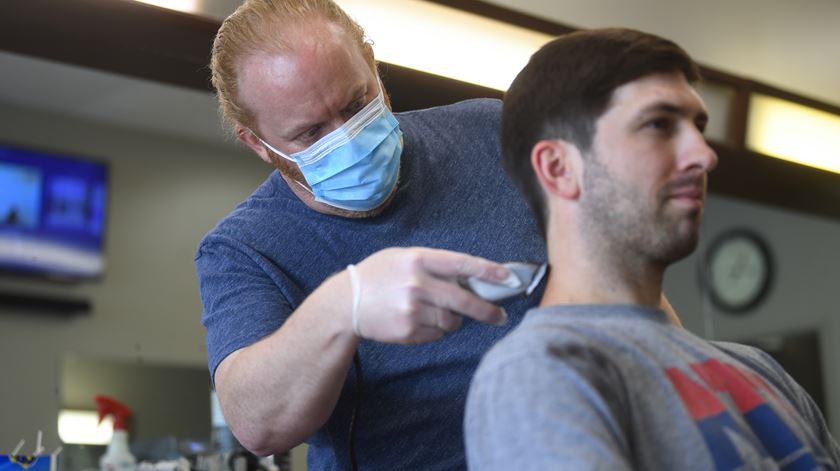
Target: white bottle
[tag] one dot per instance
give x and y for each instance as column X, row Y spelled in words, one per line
column 118, row 457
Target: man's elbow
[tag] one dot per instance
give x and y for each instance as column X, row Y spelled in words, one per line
column 265, row 443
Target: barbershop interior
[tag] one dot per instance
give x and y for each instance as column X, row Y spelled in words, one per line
column 100, row 309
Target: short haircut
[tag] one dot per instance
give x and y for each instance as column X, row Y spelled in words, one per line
column 567, row 85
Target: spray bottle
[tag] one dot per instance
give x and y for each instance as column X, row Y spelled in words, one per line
column 117, row 457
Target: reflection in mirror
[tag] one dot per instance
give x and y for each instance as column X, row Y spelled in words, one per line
column 170, row 404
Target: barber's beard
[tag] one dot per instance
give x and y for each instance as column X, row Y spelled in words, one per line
column 293, row 176
column 289, row 170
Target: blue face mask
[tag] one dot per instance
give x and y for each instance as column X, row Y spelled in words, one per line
column 354, row 167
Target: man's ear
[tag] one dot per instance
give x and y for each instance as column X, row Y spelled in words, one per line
column 245, row 136
column 555, row 164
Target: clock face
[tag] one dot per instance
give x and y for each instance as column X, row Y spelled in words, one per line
column 738, row 271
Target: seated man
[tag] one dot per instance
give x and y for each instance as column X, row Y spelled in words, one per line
column 603, row 134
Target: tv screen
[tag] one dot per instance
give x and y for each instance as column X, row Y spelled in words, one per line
column 52, row 214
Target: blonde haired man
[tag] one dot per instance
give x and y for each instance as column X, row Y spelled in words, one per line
column 298, row 84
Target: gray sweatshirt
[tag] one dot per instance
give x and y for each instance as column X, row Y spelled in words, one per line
column 619, row 387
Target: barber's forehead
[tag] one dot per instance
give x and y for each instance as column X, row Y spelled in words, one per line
column 298, row 88
column 300, row 50
column 312, row 31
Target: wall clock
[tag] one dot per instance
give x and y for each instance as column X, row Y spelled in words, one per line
column 737, row 270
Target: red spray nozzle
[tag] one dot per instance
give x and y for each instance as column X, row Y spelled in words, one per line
column 109, row 405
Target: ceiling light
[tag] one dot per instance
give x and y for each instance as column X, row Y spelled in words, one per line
column 794, row 132
column 445, row 41
column 186, row 6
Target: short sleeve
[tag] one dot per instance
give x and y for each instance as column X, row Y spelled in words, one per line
column 242, row 296
column 559, row 411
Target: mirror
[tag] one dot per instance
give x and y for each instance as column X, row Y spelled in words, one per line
column 171, row 405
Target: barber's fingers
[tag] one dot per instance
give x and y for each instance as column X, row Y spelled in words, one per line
column 448, row 264
column 422, row 323
column 448, row 321
column 439, row 318
column 424, row 334
column 451, row 297
column 430, row 324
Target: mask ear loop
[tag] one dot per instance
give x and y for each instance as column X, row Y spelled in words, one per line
column 270, row 147
column 308, row 190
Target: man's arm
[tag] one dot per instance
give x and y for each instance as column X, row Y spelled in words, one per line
column 563, row 411
column 279, row 390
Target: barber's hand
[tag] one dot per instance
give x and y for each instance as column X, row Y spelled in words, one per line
column 410, row 295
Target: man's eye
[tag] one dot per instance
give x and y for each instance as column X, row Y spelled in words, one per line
column 309, row 134
column 660, row 124
column 356, row 106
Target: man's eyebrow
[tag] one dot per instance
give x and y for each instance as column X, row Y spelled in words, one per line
column 670, row 108
column 700, row 116
column 303, row 126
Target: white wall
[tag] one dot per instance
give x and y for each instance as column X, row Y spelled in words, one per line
column 165, row 193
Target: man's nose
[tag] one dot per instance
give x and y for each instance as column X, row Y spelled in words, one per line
column 336, row 121
column 697, row 152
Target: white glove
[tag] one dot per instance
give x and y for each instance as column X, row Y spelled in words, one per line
column 410, row 295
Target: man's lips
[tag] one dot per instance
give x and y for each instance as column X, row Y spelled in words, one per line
column 692, row 193
column 690, row 189
column 690, row 199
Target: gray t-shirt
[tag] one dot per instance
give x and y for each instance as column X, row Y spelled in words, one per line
column 619, row 387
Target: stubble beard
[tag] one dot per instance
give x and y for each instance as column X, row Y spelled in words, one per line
column 622, row 224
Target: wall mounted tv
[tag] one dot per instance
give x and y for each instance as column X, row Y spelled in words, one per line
column 52, row 214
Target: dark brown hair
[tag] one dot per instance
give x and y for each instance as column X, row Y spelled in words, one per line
column 567, row 85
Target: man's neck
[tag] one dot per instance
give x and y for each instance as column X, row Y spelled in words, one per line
column 581, row 275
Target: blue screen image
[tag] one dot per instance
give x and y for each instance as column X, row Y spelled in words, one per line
column 20, row 196
column 52, row 214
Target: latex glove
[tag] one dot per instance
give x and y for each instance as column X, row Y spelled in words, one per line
column 410, row 296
